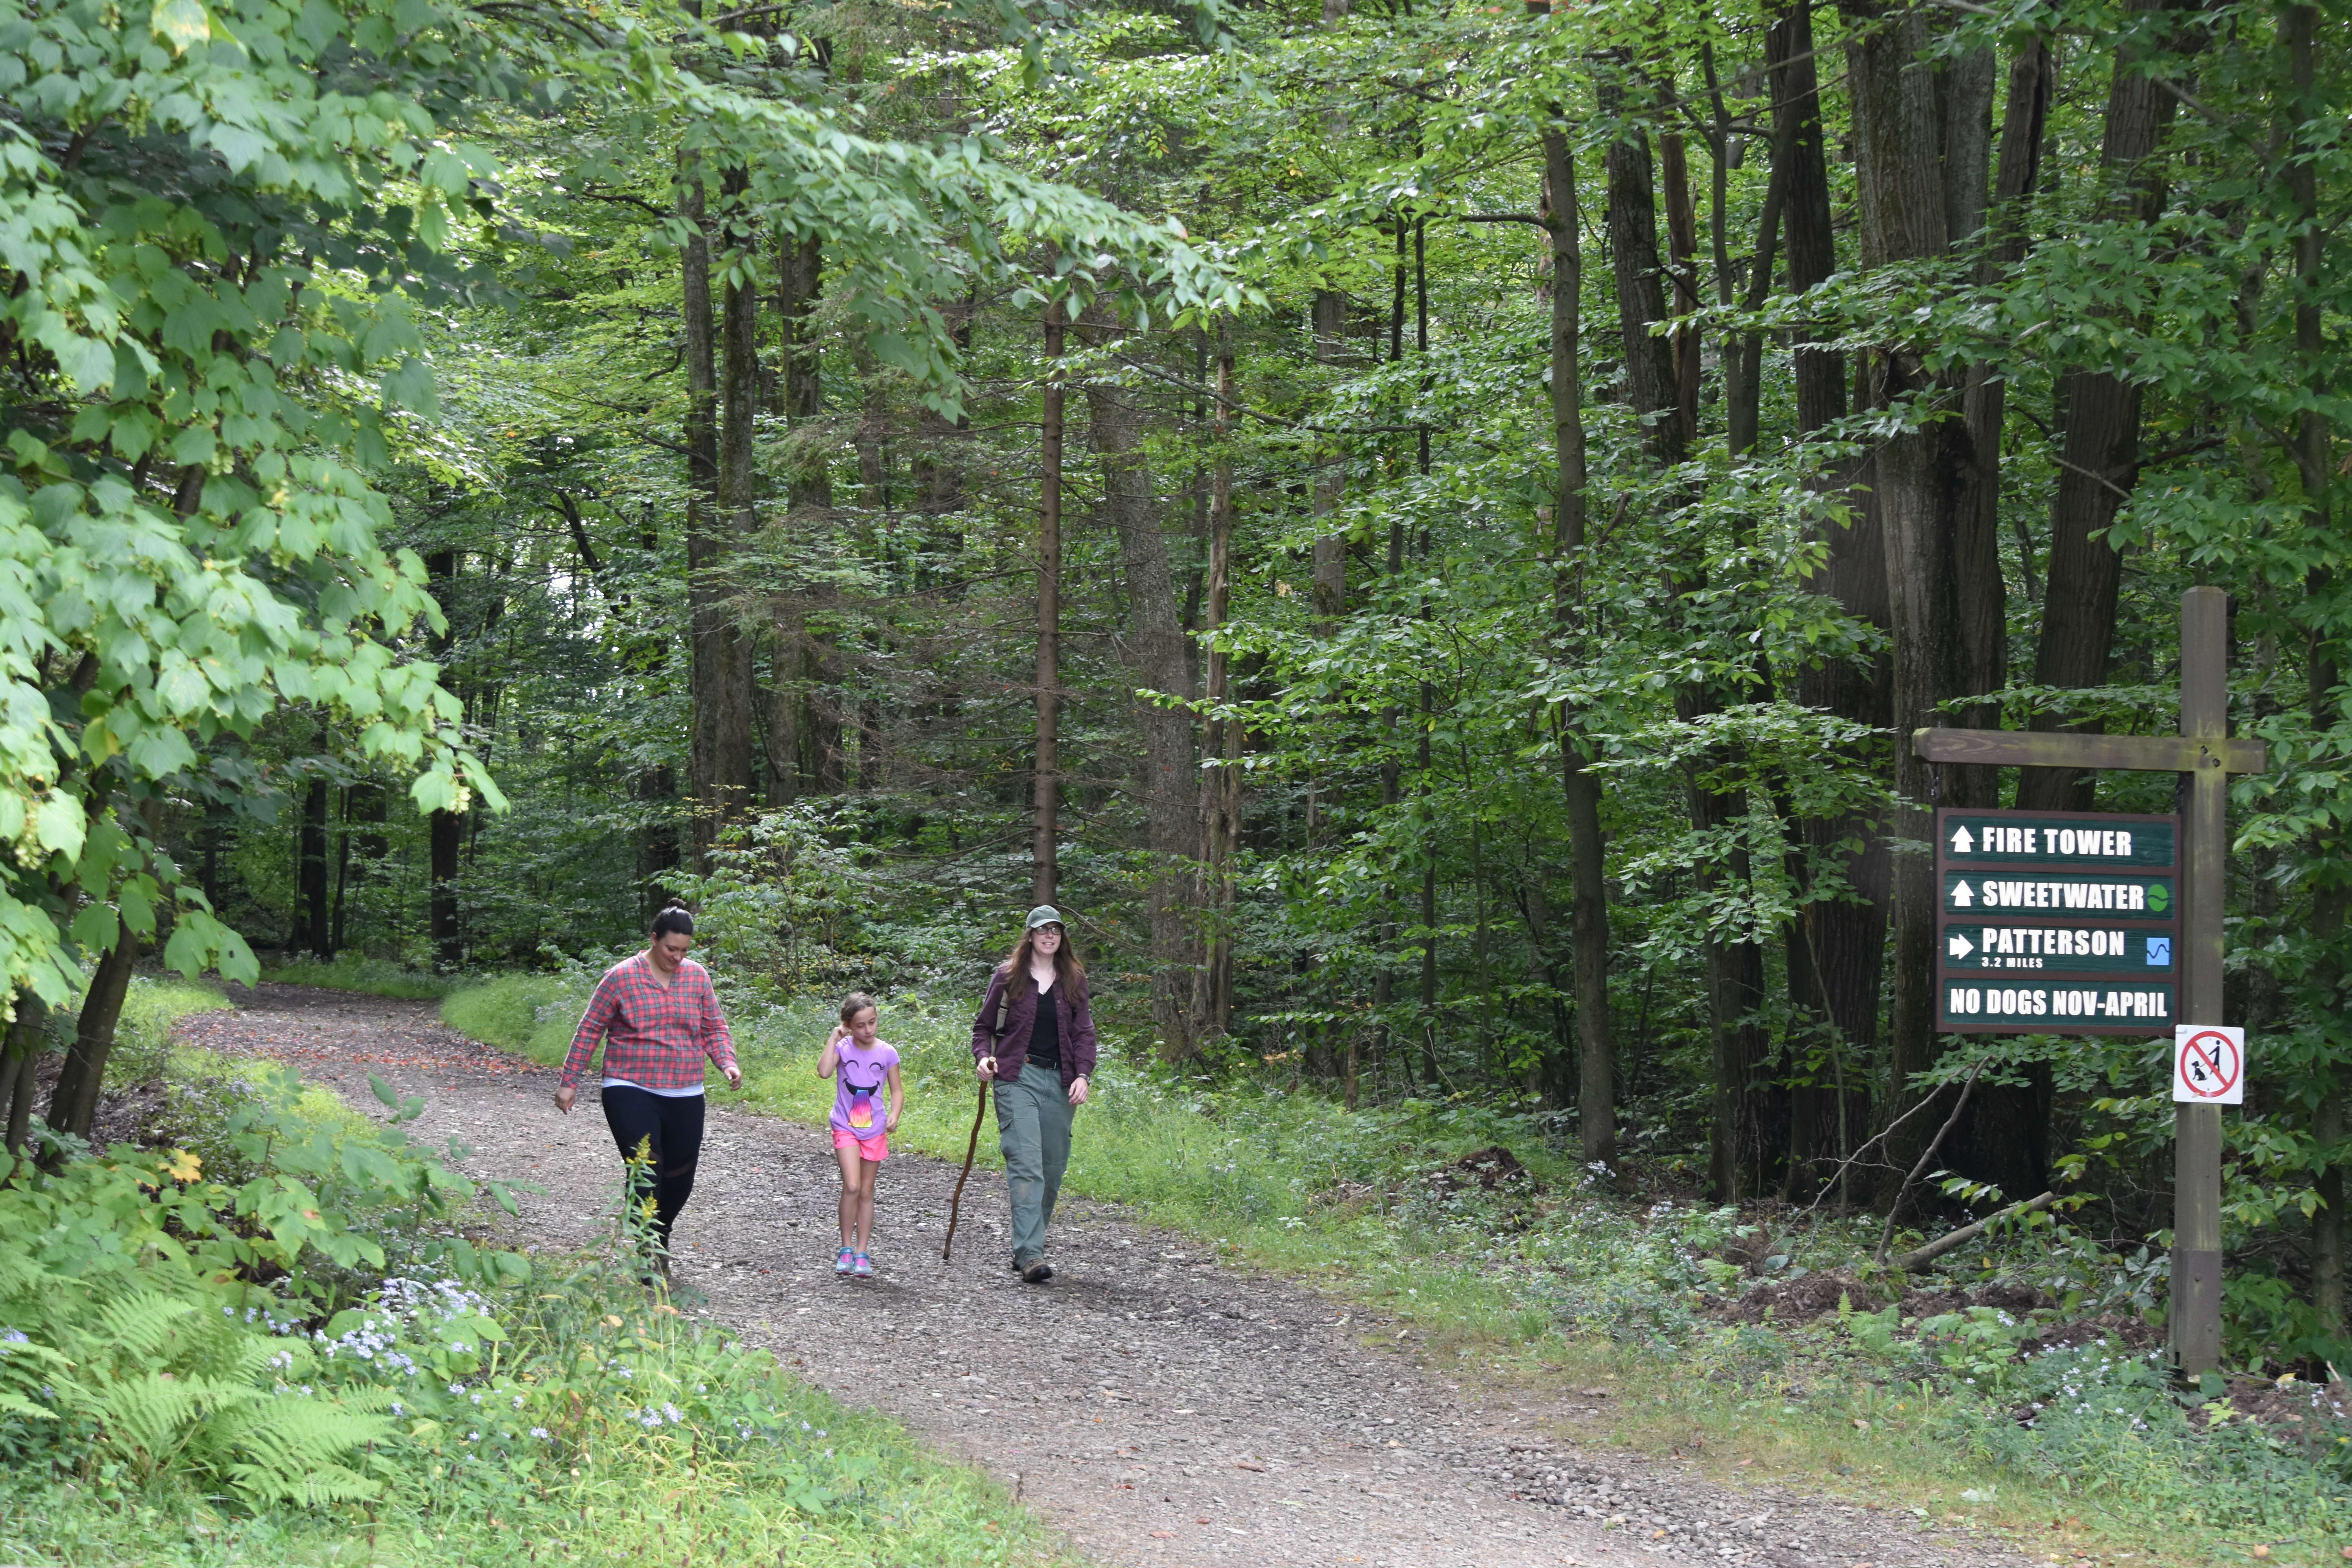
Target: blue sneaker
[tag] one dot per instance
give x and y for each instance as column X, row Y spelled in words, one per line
column 841, row 1264
column 862, row 1267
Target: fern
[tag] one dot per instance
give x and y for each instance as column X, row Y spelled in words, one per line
column 26, row 1366
column 147, row 1420
column 291, row 1449
column 139, row 1326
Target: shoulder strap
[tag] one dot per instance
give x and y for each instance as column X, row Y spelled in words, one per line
column 1003, row 1005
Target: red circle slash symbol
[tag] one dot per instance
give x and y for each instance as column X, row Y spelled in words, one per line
column 2209, row 1064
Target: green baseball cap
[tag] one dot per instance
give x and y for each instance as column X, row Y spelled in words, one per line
column 1044, row 915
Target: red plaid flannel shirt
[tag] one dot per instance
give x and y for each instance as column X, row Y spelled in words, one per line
column 656, row 1036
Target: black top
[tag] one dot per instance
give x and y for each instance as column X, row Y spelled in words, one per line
column 1045, row 1034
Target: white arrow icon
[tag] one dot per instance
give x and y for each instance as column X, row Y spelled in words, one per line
column 1962, row 946
column 1961, row 842
column 1961, row 897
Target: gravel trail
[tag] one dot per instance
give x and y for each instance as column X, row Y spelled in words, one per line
column 1163, row 1410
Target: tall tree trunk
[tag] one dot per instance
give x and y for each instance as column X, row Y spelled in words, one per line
column 1430, row 1074
column 18, row 1062
column 1639, row 275
column 1682, row 271
column 1044, row 852
column 1391, row 765
column 2005, row 1136
column 1819, row 373
column 1163, row 663
column 2024, row 122
column 1330, row 564
column 1735, row 969
column 1965, row 93
column 445, row 830
column 784, row 697
column 724, row 717
column 1743, row 352
column 73, row 1103
column 657, row 841
column 2099, row 464
column 823, row 685
column 705, row 616
column 1924, row 480
column 1596, row 1083
column 2304, row 118
column 1221, row 807
column 1837, row 947
column 343, row 871
column 311, row 872
column 800, row 269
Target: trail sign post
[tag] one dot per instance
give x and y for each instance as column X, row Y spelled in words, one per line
column 2207, row 756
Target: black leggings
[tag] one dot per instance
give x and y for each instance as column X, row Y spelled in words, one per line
column 671, row 1125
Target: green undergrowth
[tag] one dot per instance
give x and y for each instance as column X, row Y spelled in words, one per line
column 1520, row 1268
column 372, row 976
column 143, row 1033
column 279, row 1338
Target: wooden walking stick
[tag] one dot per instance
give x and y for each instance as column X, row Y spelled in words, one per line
column 1003, row 1005
column 969, row 1150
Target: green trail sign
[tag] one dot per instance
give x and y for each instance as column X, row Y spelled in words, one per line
column 2086, row 841
column 2102, row 949
column 1990, row 1003
column 1974, row 895
column 2142, row 954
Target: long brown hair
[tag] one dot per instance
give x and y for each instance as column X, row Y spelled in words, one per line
column 1067, row 970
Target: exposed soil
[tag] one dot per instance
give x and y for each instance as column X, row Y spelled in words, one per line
column 1161, row 1407
column 122, row 1115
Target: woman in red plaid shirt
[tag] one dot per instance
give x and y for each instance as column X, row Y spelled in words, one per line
column 658, row 1017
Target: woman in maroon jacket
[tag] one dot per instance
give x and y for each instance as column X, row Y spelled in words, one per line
column 1035, row 1038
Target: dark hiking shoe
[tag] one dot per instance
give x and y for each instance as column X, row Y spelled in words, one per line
column 1037, row 1273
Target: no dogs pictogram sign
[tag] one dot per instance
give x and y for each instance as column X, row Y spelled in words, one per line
column 2208, row 1063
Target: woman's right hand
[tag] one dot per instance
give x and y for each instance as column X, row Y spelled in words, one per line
column 565, row 1096
column 987, row 1065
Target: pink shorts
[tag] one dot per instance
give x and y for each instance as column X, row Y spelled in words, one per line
column 877, row 1148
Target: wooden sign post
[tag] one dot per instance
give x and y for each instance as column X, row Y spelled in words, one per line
column 2204, row 753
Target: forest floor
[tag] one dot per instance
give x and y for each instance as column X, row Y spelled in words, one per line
column 1161, row 1408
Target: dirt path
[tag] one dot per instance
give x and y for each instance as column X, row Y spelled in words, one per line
column 1162, row 1410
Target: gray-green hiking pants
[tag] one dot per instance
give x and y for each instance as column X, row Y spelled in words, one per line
column 1033, row 1128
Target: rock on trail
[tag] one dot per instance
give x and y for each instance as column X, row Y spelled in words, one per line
column 1162, row 1409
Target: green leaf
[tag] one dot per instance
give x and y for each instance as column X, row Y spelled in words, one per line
column 97, row 927
column 410, row 386
column 58, row 823
column 183, row 23
column 383, row 1091
column 134, row 900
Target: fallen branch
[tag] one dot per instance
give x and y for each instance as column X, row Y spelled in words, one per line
column 1920, row 1257
column 1894, row 1209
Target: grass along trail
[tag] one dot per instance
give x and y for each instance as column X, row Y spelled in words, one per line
column 1160, row 1408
